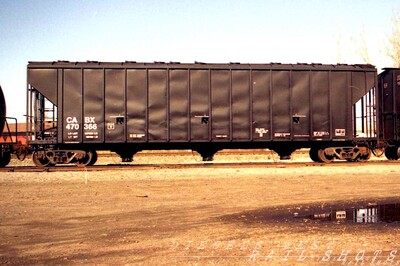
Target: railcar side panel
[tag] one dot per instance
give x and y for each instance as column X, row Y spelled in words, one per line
column 58, row 86
column 136, row 111
column 44, row 79
column 179, row 123
column 115, row 105
column 241, row 114
column 220, row 105
column 358, row 86
column 157, row 108
column 301, row 104
column 388, row 102
column 93, row 106
column 340, row 105
column 320, row 105
column 261, row 107
column 281, row 119
column 72, row 105
column 199, row 105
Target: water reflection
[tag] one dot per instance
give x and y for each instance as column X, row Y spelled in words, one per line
column 387, row 213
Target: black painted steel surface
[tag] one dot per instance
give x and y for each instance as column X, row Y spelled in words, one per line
column 2, row 110
column 172, row 103
column 389, row 99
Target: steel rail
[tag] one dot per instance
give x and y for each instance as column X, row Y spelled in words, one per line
column 119, row 167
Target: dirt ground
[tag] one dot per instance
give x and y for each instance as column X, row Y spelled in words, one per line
column 197, row 216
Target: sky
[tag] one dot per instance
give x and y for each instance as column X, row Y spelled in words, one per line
column 212, row 31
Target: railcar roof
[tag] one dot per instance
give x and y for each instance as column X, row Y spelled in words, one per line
column 200, row 65
column 391, row 68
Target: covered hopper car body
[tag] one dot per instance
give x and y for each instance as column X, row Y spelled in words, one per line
column 78, row 108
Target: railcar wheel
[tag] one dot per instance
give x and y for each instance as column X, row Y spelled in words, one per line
column 391, row 153
column 365, row 157
column 314, row 155
column 89, row 159
column 40, row 162
column 325, row 158
column 94, row 158
column 5, row 158
column 378, row 152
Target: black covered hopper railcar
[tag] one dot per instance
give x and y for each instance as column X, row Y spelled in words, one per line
column 78, row 108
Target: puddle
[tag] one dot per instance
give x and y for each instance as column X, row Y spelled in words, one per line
column 386, row 211
column 372, row 213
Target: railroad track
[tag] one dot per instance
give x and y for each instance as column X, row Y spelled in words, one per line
column 118, row 167
column 191, row 153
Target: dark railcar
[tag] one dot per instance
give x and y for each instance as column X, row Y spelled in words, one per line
column 2, row 111
column 5, row 147
column 77, row 108
column 389, row 109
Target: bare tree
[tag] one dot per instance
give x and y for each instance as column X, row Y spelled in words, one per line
column 339, row 43
column 394, row 40
column 361, row 45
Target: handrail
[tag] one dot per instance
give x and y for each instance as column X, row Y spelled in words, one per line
column 7, row 127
